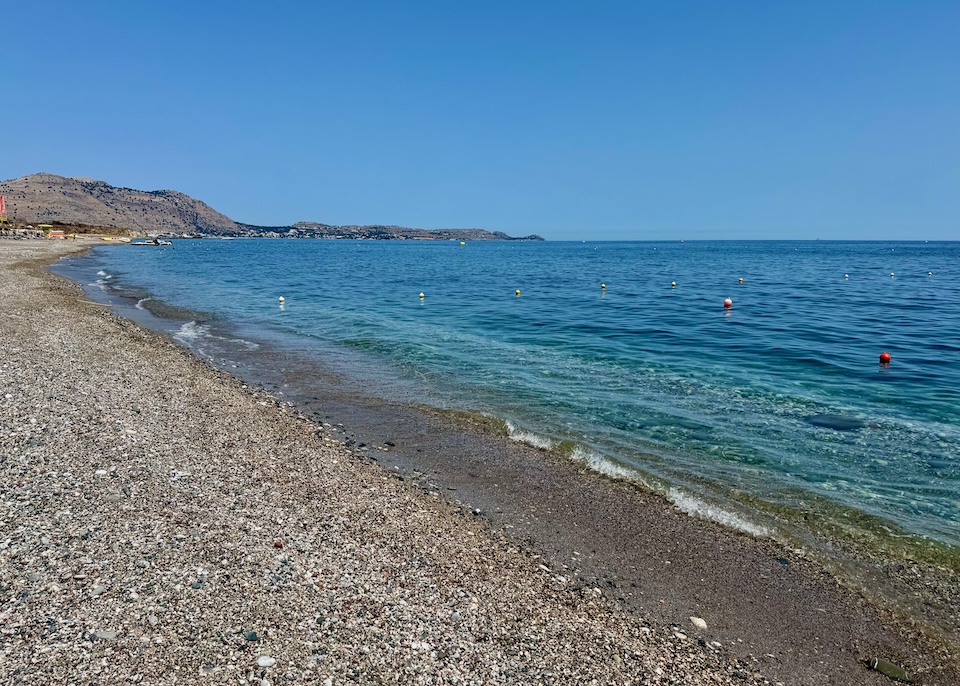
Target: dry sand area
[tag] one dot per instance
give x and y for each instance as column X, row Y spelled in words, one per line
column 162, row 523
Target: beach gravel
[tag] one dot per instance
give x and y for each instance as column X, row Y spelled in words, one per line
column 162, row 523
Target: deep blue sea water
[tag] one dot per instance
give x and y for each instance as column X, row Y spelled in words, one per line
column 641, row 379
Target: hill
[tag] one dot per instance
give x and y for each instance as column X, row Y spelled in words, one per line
column 52, row 199
column 76, row 201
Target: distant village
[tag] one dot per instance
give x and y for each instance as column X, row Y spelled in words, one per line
column 52, row 206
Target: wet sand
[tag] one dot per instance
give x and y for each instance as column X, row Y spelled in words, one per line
column 452, row 556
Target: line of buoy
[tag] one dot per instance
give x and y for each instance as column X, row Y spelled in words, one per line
column 885, row 357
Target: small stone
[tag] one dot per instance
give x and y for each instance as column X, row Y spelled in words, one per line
column 680, row 635
column 196, row 584
column 98, row 590
column 252, row 636
column 101, row 472
column 698, row 622
column 455, row 617
column 265, row 661
column 152, row 619
column 278, row 543
column 106, row 634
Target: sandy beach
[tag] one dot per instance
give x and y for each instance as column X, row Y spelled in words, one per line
column 165, row 522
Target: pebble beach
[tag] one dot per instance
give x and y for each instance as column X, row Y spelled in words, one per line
column 162, row 522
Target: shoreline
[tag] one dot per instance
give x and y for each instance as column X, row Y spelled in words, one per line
column 793, row 623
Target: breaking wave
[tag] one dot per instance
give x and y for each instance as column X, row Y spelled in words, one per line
column 698, row 508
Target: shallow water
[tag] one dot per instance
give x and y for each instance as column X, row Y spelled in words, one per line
column 639, row 379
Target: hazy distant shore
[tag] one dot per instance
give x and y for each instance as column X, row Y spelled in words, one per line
column 163, row 518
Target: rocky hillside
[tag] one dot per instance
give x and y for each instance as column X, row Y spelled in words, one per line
column 52, row 199
column 376, row 231
column 48, row 198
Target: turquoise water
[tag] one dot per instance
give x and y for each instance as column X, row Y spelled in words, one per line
column 643, row 380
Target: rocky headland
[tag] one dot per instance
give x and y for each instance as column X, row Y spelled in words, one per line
column 82, row 203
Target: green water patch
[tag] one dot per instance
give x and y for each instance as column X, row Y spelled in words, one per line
column 473, row 419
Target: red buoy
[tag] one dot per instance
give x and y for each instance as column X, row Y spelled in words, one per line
column 728, row 303
column 885, row 358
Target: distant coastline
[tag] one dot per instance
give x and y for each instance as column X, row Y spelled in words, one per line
column 88, row 206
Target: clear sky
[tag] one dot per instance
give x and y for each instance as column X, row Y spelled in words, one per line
column 575, row 120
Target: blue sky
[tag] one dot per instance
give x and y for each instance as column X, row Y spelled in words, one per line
column 575, row 120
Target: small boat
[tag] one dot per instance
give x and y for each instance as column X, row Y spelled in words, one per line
column 155, row 241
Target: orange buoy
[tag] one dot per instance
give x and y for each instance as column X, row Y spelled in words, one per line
column 885, row 358
column 728, row 303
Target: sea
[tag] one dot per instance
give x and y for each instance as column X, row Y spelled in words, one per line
column 774, row 415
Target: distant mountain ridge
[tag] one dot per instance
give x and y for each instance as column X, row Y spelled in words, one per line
column 52, row 199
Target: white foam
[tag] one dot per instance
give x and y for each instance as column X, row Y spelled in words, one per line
column 530, row 438
column 602, row 465
column 698, row 508
column 140, row 303
column 102, row 273
column 190, row 331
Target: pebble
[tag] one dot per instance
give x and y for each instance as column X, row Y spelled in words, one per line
column 238, row 468
column 265, row 661
column 698, row 622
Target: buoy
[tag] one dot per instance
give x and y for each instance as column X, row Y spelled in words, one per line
column 281, row 299
column 518, row 291
column 885, row 358
column 421, row 296
column 846, row 276
column 891, row 275
column 603, row 287
column 740, row 280
column 728, row 303
column 929, row 273
column 462, row 243
column 673, row 284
